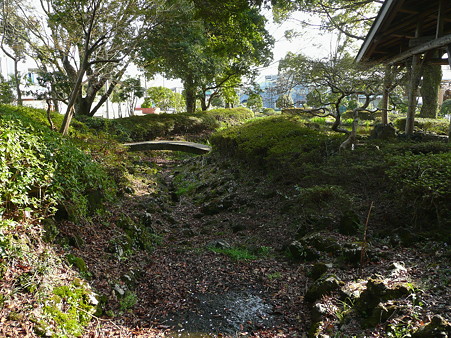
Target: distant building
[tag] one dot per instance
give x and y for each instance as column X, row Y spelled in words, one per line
column 270, row 93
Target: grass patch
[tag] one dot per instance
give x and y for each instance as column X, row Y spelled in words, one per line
column 238, row 254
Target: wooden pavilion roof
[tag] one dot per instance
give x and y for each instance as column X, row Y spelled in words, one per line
column 407, row 27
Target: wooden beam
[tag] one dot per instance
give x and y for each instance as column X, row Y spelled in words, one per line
column 437, row 61
column 437, row 43
column 440, row 17
column 448, row 50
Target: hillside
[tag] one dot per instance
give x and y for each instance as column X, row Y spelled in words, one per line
column 275, row 233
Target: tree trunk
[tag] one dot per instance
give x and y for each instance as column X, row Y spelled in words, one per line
column 83, row 106
column 190, row 93
column 432, row 76
column 415, row 76
column 203, row 102
column 17, row 83
column 387, row 86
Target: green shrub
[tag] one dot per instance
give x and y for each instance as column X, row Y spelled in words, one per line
column 150, row 127
column 40, row 170
column 438, row 126
column 269, row 112
column 231, row 116
column 424, row 184
column 445, row 109
column 275, row 141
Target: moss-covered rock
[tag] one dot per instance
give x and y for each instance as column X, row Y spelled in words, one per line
column 436, row 328
column 301, row 252
column 378, row 292
column 323, row 286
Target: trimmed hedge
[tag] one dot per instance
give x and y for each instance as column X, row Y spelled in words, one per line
column 231, row 116
column 153, row 126
column 275, row 141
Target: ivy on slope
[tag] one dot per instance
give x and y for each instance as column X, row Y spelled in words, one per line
column 40, row 170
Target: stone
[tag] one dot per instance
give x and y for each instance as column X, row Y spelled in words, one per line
column 380, row 314
column 383, row 131
column 322, row 286
column 319, row 310
column 349, row 223
column 321, row 242
column 377, row 292
column 318, row 269
column 437, row 328
column 351, row 253
column 302, row 252
column 119, row 290
column 219, row 244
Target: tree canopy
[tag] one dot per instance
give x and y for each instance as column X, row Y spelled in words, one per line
column 209, row 46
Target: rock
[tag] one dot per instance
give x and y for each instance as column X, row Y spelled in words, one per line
column 319, row 269
column 383, row 131
column 323, row 286
column 302, row 252
column 219, row 244
column 351, row 253
column 321, row 243
column 437, row 328
column 377, row 292
column 349, row 223
column 319, row 310
column 119, row 290
column 381, row 313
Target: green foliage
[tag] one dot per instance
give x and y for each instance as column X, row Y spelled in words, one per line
column 322, row 195
column 269, row 111
column 237, row 254
column 69, row 310
column 6, row 91
column 255, row 102
column 275, row 142
column 284, row 101
column 445, row 109
column 230, row 116
column 438, row 126
column 424, row 183
column 163, row 98
column 128, row 301
column 40, row 170
column 152, row 126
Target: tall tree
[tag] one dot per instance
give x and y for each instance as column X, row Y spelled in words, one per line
column 209, row 46
column 332, row 83
column 89, row 42
column 12, row 41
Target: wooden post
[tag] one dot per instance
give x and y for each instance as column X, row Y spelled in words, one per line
column 387, row 84
column 448, row 50
column 415, row 76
